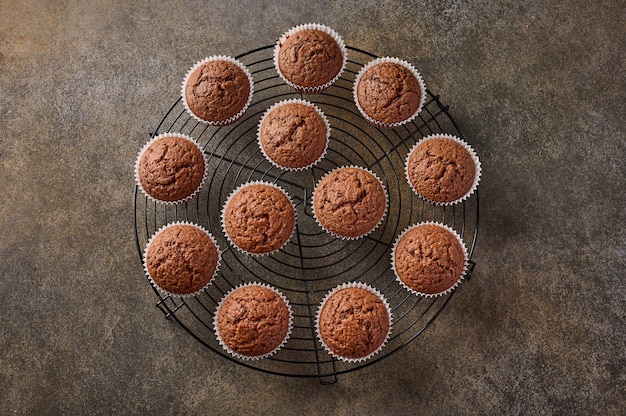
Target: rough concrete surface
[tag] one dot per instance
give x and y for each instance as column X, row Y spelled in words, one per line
column 537, row 87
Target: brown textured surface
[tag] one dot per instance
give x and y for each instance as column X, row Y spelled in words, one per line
column 388, row 93
column 181, row 259
column 349, row 202
column 253, row 320
column 171, row 169
column 293, row 135
column 353, row 322
column 441, row 169
column 429, row 259
column 259, row 218
column 310, row 58
column 217, row 90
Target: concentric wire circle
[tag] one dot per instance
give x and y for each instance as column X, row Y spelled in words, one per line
column 313, row 261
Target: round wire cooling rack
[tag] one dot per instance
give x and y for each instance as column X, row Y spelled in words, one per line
column 313, row 261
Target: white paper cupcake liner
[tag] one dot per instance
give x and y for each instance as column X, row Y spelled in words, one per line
column 229, row 120
column 405, row 64
column 319, row 312
column 465, row 256
column 160, row 230
column 311, row 26
column 223, row 217
column 472, row 153
column 293, row 101
column 342, row 236
column 148, row 144
column 252, row 357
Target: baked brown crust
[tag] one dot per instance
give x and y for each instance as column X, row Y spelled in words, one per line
column 310, row 58
column 181, row 259
column 441, row 169
column 429, row 259
column 354, row 322
column 293, row 135
column 349, row 202
column 253, row 320
column 217, row 90
column 259, row 218
column 171, row 169
column 389, row 93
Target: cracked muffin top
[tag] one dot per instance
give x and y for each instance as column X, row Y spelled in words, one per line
column 259, row 218
column 293, row 135
column 309, row 58
column 181, row 259
column 429, row 259
column 353, row 322
column 441, row 169
column 253, row 321
column 217, row 91
column 388, row 93
column 171, row 168
column 349, row 202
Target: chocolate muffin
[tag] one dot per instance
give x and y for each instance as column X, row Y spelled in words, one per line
column 429, row 259
column 310, row 57
column 217, row 90
column 170, row 168
column 442, row 169
column 353, row 322
column 181, row 259
column 349, row 202
column 389, row 92
column 293, row 134
column 253, row 321
column 258, row 218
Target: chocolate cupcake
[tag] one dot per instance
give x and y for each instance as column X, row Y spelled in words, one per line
column 443, row 169
column 293, row 134
column 181, row 259
column 353, row 322
column 170, row 168
column 253, row 321
column 258, row 218
column 217, row 90
column 429, row 259
column 310, row 57
column 349, row 202
column 389, row 92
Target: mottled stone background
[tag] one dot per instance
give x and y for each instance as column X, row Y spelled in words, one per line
column 538, row 87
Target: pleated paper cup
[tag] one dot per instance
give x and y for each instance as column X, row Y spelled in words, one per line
column 230, row 349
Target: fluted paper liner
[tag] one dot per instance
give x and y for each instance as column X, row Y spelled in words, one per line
column 405, row 64
column 293, row 101
column 477, row 170
column 148, row 144
column 230, row 197
column 310, row 26
column 231, row 119
column 321, row 307
column 252, row 357
column 160, row 230
column 343, row 237
column 465, row 256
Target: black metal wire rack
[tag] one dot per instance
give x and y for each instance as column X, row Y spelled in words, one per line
column 313, row 261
